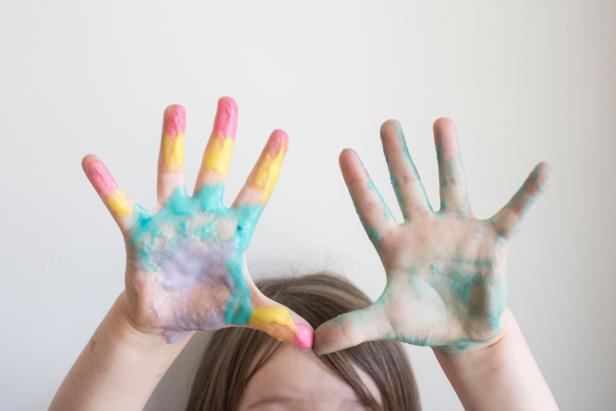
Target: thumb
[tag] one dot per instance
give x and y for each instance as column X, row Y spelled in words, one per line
column 279, row 321
column 352, row 328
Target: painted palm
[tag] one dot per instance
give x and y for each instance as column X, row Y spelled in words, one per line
column 186, row 265
column 446, row 284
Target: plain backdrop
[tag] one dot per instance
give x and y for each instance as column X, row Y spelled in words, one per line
column 524, row 80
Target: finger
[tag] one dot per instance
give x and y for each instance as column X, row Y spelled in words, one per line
column 453, row 190
column 374, row 214
column 352, row 328
column 248, row 307
column 280, row 322
column 508, row 220
column 171, row 156
column 117, row 202
column 264, row 176
column 404, row 176
column 219, row 150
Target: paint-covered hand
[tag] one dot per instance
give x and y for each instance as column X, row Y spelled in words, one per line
column 446, row 283
column 186, row 266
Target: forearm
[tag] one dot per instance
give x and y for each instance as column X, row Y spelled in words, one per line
column 501, row 376
column 118, row 369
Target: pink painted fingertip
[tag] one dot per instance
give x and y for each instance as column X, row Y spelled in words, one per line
column 225, row 124
column 98, row 174
column 303, row 336
column 279, row 141
column 175, row 120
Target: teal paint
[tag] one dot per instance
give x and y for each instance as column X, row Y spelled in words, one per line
column 405, row 149
column 388, row 214
column 373, row 234
column 394, row 182
column 455, row 281
column 422, row 342
column 457, row 347
column 447, row 347
column 239, row 309
column 499, row 301
column 439, row 153
column 462, row 283
column 155, row 236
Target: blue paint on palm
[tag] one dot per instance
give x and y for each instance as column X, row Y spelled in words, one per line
column 477, row 301
column 463, row 282
column 184, row 218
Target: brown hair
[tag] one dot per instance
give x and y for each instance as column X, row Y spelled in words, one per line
column 234, row 355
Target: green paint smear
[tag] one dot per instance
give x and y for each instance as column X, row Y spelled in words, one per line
column 461, row 283
column 411, row 165
column 373, row 234
column 448, row 347
column 388, row 214
column 178, row 212
column 238, row 309
column 439, row 153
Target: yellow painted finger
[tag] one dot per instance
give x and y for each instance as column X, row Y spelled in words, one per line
column 105, row 185
column 174, row 130
column 171, row 158
column 268, row 168
column 219, row 150
column 277, row 321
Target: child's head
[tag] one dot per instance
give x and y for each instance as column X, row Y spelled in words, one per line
column 243, row 368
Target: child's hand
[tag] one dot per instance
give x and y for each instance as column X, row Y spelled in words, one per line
column 186, row 267
column 446, row 283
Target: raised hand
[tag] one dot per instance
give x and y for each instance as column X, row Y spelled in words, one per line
column 446, row 284
column 186, row 266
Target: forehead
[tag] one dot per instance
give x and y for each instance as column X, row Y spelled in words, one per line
column 298, row 380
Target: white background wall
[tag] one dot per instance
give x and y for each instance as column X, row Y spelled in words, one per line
column 525, row 80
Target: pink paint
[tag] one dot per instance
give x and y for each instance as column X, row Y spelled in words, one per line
column 277, row 141
column 174, row 121
column 303, row 336
column 225, row 124
column 100, row 177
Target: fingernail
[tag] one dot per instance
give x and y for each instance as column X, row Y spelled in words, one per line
column 303, row 336
column 225, row 124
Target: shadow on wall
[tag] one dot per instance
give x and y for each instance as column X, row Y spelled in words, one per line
column 174, row 388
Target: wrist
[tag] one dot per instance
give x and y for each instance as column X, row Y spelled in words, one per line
column 119, row 367
column 126, row 330
column 500, row 375
column 507, row 321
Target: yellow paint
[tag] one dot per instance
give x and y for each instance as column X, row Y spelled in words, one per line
column 173, row 151
column 263, row 317
column 119, row 204
column 218, row 155
column 267, row 173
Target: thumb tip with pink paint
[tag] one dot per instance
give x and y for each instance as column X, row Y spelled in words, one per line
column 303, row 336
